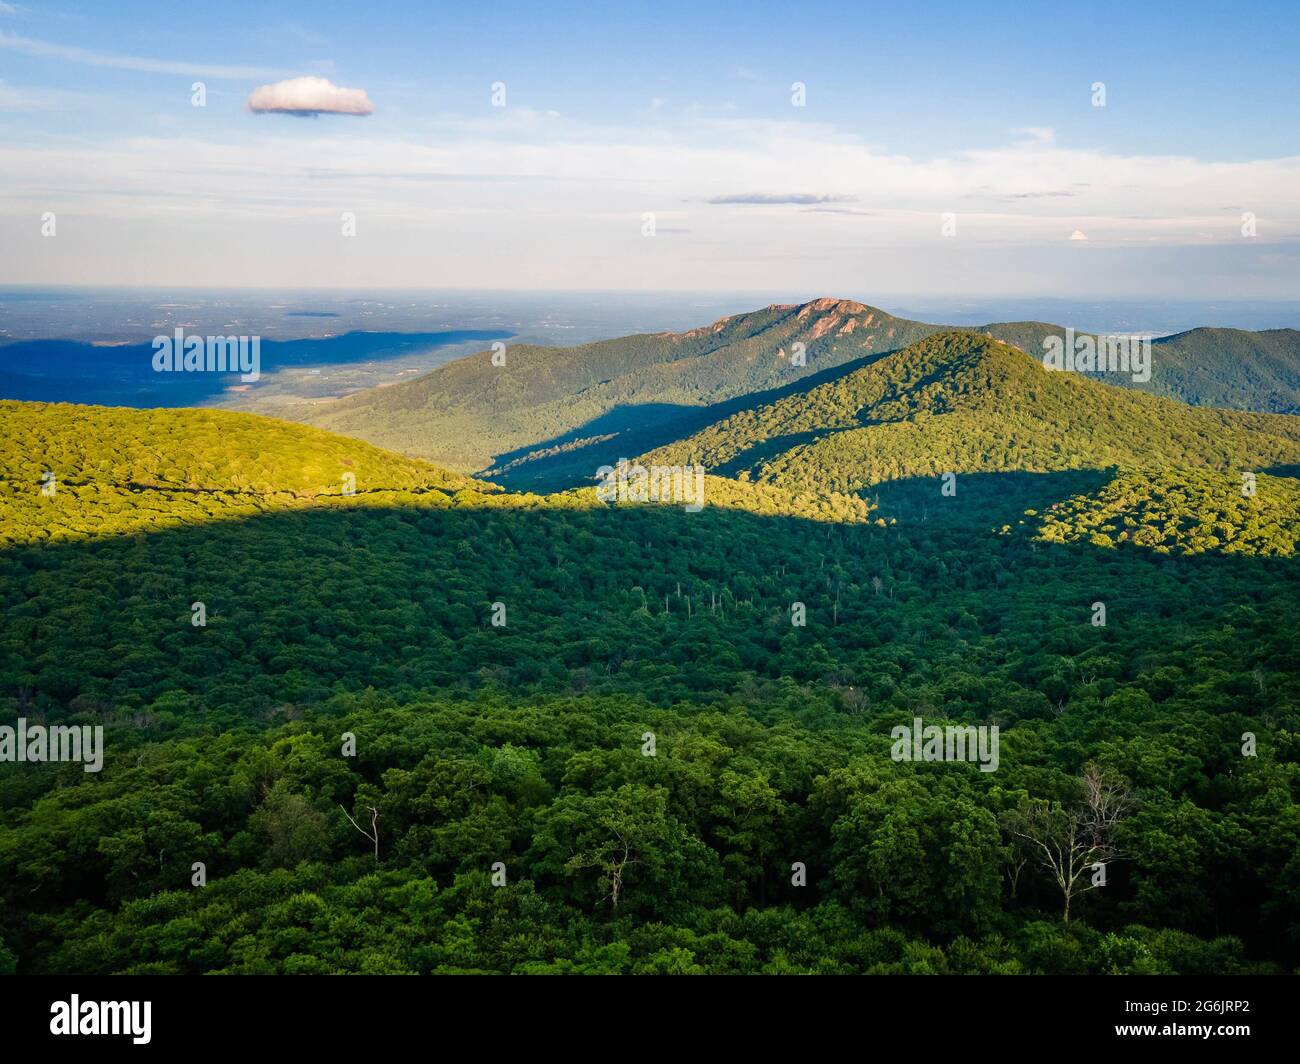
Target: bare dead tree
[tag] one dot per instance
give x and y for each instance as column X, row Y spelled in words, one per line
column 613, row 859
column 1068, row 843
column 373, row 833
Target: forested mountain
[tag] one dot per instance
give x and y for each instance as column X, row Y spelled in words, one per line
column 548, row 417
column 594, row 738
column 472, row 414
column 1187, row 512
column 1233, row 368
column 960, row 402
column 1230, row 367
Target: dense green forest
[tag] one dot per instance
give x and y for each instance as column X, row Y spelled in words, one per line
column 428, row 725
column 1230, row 367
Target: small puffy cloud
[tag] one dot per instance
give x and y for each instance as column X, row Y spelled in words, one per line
column 1078, row 234
column 308, row 97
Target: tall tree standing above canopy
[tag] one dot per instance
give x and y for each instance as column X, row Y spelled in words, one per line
column 1068, row 843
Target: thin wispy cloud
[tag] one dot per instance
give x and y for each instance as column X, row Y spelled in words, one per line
column 308, row 97
column 1037, row 134
column 72, row 54
column 15, row 99
column 839, row 210
column 765, row 198
column 1047, row 194
column 289, row 31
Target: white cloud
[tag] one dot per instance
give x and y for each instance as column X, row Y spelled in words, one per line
column 1078, row 234
column 70, row 54
column 309, row 96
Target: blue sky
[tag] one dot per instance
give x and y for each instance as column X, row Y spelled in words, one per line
column 915, row 113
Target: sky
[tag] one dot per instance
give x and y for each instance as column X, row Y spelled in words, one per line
column 849, row 149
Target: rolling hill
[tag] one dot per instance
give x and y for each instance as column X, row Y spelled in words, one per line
column 1230, row 368
column 118, row 470
column 1236, row 369
column 961, row 402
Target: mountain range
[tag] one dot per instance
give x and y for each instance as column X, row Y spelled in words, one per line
column 549, row 417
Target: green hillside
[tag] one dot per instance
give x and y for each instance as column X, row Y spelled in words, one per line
column 1231, row 368
column 120, row 470
column 193, row 450
column 962, row 403
column 1028, row 336
column 1186, row 512
column 116, row 469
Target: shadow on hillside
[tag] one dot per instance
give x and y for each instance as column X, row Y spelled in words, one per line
column 571, row 459
column 301, row 604
column 753, row 458
column 1283, row 471
column 621, row 419
column 982, row 500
